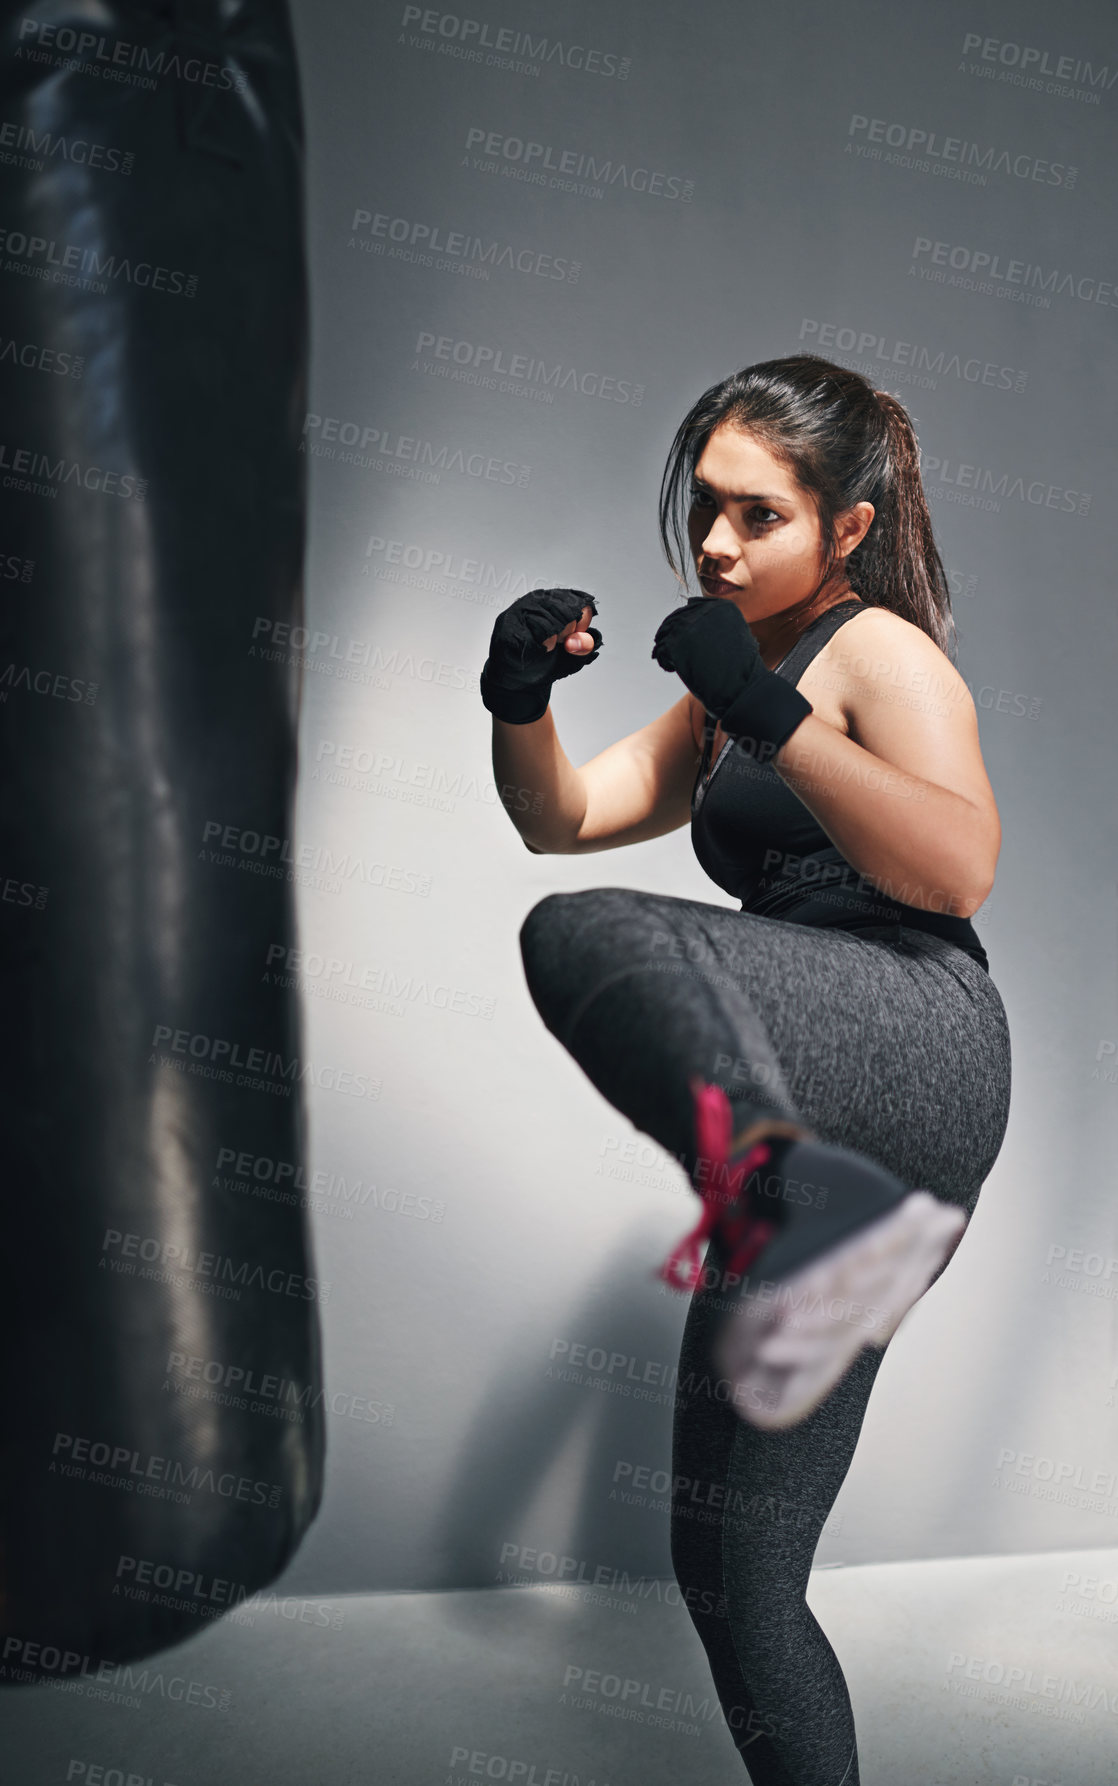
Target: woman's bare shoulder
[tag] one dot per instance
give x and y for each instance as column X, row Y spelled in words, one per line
column 879, row 655
column 904, row 701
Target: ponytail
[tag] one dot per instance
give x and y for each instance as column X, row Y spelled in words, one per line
column 845, row 443
column 897, row 565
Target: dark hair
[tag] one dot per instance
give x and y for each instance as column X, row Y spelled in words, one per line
column 845, row 443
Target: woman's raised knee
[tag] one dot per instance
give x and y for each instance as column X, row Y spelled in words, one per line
column 546, row 925
column 561, row 920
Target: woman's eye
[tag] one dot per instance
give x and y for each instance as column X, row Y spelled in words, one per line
column 760, row 514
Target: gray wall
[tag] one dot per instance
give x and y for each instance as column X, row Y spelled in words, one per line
column 478, row 1207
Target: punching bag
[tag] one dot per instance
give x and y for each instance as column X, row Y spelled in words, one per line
column 163, row 1426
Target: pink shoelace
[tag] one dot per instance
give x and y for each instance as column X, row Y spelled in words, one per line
column 745, row 1234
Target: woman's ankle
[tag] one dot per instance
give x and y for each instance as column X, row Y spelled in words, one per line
column 765, row 1128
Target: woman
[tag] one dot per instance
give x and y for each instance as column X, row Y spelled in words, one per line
column 831, row 1064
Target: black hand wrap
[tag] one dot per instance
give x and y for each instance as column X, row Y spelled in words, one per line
column 517, row 677
column 708, row 643
column 765, row 714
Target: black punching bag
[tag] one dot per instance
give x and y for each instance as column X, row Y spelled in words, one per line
column 163, row 1424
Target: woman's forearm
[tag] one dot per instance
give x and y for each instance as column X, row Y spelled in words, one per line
column 540, row 788
column 921, row 844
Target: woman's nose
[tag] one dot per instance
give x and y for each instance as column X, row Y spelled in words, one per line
column 720, row 542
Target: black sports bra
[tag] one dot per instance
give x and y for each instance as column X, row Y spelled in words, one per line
column 757, row 840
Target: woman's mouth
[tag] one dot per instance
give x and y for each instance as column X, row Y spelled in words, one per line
column 719, row 586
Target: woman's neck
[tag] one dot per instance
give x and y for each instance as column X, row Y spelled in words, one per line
column 777, row 633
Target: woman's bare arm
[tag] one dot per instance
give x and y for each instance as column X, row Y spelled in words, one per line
column 905, row 797
column 541, row 789
column 633, row 790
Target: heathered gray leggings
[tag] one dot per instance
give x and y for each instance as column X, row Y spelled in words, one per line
column 892, row 1042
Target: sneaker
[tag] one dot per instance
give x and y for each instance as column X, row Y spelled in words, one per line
column 847, row 1248
column 720, row 1182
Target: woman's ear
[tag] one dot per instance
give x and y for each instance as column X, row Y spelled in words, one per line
column 852, row 526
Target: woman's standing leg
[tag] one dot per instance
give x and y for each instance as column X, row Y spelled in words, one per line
column 747, row 1514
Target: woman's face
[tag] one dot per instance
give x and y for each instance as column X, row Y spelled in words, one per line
column 754, row 533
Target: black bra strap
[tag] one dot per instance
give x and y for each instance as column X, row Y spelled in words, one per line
column 813, row 638
column 709, row 723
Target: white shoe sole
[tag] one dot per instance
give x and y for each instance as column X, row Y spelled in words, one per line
column 784, row 1348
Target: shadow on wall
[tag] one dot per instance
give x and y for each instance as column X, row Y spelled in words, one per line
column 611, row 1372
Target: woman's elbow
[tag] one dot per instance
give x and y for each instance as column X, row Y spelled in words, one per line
column 979, row 869
column 966, row 904
column 976, row 891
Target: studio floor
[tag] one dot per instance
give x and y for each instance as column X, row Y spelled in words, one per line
column 977, row 1672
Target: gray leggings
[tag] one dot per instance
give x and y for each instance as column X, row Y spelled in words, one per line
column 892, row 1042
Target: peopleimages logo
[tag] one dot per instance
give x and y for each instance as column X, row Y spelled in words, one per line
column 1020, row 1679
column 889, row 353
column 544, row 164
column 30, row 468
column 433, row 245
column 403, row 455
column 68, row 263
column 1024, row 65
column 35, row 358
column 339, row 979
column 436, row 568
column 982, row 268
column 917, row 147
column 976, row 486
column 519, row 51
column 31, row 148
column 118, row 59
column 474, row 362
